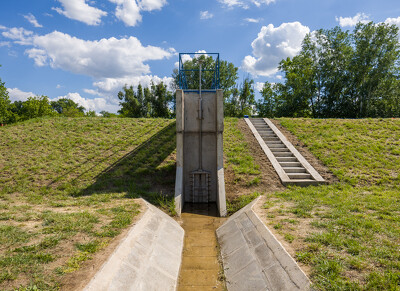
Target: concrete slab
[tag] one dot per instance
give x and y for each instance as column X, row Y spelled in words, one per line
column 253, row 258
column 148, row 258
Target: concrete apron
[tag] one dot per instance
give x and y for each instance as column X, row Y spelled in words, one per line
column 253, row 258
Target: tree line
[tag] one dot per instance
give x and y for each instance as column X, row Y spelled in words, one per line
column 337, row 74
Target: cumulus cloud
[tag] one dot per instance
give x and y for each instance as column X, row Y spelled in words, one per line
column 96, row 104
column 18, row 35
column 352, row 21
column 81, row 11
column 272, row 45
column 16, row 94
column 32, row 20
column 105, row 58
column 111, row 62
column 128, row 11
column 395, row 21
column 206, row 15
column 107, row 85
column 150, row 5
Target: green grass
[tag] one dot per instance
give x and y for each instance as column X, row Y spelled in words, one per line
column 238, row 156
column 353, row 242
column 71, row 182
column 240, row 202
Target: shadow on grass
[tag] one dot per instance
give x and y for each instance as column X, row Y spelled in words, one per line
column 142, row 173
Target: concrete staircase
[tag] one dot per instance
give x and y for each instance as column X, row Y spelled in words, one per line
column 291, row 166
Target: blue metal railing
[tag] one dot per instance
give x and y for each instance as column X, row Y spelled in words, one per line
column 183, row 72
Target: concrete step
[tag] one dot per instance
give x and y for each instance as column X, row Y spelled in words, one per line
column 295, row 170
column 299, row 175
column 283, row 154
column 289, row 164
column 275, row 138
column 279, row 150
column 273, row 142
column 286, row 159
column 276, row 146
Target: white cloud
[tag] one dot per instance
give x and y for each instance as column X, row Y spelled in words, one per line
column 105, row 58
column 19, row 35
column 108, row 85
column 258, row 86
column 245, row 4
column 352, row 21
column 79, row 10
column 150, row 5
column 234, row 3
column 128, row 11
column 395, row 21
column 18, row 95
column 96, row 104
column 272, row 45
column 5, row 43
column 206, row 15
column 32, row 20
column 252, row 20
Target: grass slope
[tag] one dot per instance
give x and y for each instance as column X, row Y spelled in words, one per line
column 66, row 189
column 353, row 227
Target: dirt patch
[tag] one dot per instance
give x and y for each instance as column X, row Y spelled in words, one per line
column 269, row 181
column 301, row 147
column 79, row 279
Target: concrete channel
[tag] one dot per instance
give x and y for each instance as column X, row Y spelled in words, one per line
column 200, row 267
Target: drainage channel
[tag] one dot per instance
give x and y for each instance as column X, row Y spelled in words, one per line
column 200, row 266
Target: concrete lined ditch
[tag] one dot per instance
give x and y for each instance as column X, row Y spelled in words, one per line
column 200, row 267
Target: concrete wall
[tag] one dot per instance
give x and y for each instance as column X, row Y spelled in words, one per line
column 188, row 127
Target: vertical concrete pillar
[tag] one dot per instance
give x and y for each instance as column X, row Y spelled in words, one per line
column 179, row 201
column 221, row 200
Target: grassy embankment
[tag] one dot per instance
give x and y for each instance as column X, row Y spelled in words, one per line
column 66, row 189
column 353, row 227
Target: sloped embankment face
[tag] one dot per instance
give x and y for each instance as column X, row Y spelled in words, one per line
column 345, row 235
column 67, row 189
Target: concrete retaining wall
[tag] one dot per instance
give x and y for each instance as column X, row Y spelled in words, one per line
column 253, row 258
column 149, row 257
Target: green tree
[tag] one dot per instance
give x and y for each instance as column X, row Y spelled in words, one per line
column 242, row 100
column 266, row 107
column 68, row 107
column 374, row 70
column 37, row 106
column 5, row 113
column 129, row 102
column 160, row 99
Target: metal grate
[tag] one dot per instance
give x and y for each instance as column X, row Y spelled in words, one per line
column 200, row 184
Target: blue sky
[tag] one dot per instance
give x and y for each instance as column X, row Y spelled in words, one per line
column 87, row 50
